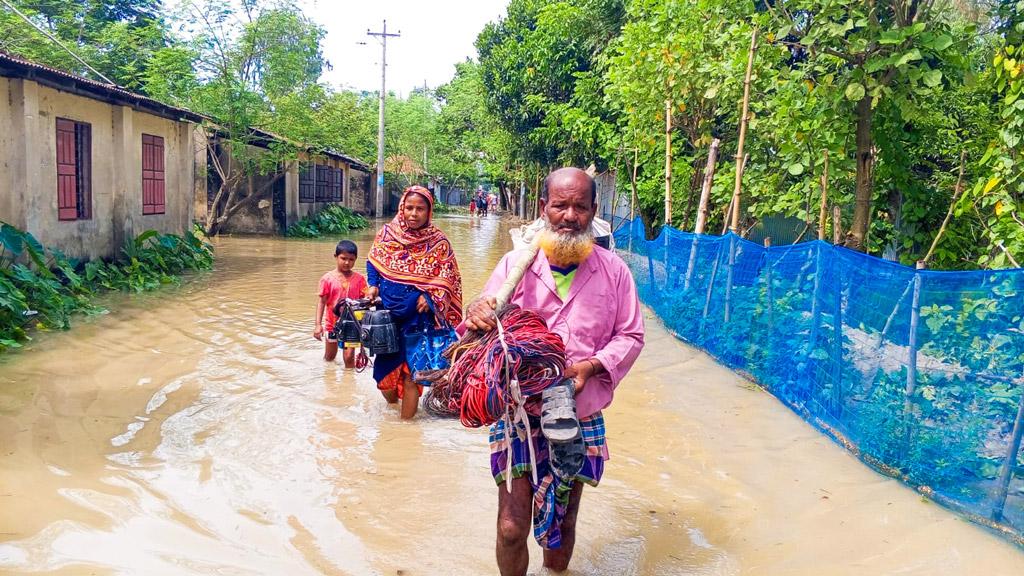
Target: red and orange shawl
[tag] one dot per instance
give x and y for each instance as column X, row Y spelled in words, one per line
column 422, row 258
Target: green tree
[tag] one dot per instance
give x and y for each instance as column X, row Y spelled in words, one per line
column 119, row 38
column 249, row 61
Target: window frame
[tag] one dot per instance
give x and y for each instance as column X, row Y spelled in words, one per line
column 154, row 185
column 73, row 163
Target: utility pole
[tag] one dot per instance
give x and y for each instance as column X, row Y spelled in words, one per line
column 383, row 37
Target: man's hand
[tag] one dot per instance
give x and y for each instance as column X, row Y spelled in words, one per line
column 422, row 305
column 318, row 332
column 580, row 372
column 480, row 314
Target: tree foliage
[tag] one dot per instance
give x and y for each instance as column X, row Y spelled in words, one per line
column 893, row 92
column 123, row 39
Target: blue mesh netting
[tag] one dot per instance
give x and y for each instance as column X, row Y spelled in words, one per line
column 828, row 331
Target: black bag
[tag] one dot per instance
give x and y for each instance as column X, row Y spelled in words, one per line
column 347, row 330
column 380, row 335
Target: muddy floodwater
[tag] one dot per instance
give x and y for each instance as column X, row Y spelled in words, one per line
column 198, row 431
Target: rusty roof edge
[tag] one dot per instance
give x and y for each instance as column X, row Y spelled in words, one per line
column 15, row 66
column 114, row 94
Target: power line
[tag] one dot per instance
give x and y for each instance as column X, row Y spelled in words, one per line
column 58, row 42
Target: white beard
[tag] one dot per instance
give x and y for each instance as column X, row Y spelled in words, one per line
column 566, row 249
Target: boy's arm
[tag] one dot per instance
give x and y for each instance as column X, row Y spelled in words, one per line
column 320, row 305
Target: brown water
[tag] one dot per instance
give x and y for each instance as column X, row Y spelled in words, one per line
column 198, row 431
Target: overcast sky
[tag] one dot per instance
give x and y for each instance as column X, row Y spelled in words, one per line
column 435, row 35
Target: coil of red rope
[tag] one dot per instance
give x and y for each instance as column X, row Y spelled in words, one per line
column 477, row 385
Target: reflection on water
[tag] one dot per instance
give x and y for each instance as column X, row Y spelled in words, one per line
column 198, row 431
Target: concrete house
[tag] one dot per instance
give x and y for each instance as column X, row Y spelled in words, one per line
column 85, row 165
column 297, row 190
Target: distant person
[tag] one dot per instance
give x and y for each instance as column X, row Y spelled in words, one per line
column 412, row 267
column 342, row 282
column 472, row 205
column 481, row 203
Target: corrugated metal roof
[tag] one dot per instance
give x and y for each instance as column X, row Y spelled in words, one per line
column 16, row 67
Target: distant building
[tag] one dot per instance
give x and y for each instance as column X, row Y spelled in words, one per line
column 86, row 165
column 297, row 190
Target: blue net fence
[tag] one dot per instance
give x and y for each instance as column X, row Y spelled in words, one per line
column 919, row 373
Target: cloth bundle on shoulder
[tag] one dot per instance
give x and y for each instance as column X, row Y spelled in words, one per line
column 486, row 367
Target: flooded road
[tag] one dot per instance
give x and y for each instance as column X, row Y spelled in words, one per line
column 198, row 431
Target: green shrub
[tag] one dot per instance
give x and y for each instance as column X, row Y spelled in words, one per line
column 41, row 288
column 333, row 219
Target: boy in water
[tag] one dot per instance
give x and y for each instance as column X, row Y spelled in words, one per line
column 342, row 282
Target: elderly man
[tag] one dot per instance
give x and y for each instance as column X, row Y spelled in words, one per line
column 587, row 296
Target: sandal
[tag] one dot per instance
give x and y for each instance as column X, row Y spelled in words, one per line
column 561, row 426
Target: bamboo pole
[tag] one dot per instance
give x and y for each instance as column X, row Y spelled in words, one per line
column 735, row 222
column 769, row 282
column 1010, row 461
column 837, row 224
column 515, row 275
column 729, row 277
column 632, row 199
column 668, row 162
column 911, row 386
column 711, row 286
column 812, row 336
column 702, row 209
column 949, row 213
column 732, row 203
column 823, row 213
column 615, row 202
column 837, row 337
column 536, row 204
column 705, row 189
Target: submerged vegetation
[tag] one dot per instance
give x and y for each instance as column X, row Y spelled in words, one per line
column 333, row 219
column 42, row 289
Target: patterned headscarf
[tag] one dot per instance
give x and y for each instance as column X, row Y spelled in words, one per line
column 422, row 258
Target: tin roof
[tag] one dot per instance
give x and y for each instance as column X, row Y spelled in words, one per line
column 12, row 66
column 15, row 67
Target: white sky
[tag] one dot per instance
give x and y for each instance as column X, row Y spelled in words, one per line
column 435, row 35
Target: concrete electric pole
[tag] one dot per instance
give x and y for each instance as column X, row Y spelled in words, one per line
column 383, row 36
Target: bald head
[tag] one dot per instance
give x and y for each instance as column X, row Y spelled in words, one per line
column 569, row 177
column 568, row 200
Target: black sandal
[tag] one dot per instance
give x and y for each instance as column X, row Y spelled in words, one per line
column 561, row 426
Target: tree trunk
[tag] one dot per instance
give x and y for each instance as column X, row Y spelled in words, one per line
column 857, row 237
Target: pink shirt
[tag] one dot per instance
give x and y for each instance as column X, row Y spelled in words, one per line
column 600, row 318
column 335, row 287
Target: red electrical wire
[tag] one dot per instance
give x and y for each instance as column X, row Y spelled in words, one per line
column 477, row 385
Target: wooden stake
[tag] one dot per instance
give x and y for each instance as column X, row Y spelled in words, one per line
column 823, row 213
column 705, row 189
column 908, row 393
column 729, row 278
column 702, row 209
column 837, row 224
column 770, row 286
column 1010, row 461
column 632, row 200
column 536, row 204
column 735, row 222
column 949, row 213
column 731, row 212
column 668, row 162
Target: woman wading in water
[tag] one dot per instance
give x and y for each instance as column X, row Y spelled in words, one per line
column 412, row 267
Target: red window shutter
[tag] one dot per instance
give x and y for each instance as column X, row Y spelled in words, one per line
column 153, row 191
column 67, row 174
